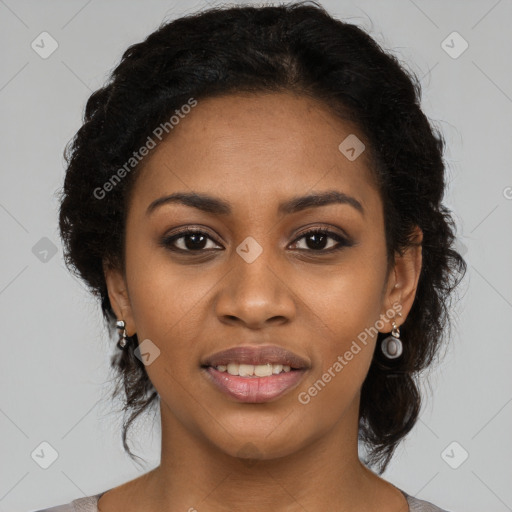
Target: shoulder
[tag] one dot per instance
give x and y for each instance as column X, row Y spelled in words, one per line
column 87, row 504
column 417, row 505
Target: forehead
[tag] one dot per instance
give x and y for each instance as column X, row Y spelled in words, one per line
column 257, row 149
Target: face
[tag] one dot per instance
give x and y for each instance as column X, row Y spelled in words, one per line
column 252, row 276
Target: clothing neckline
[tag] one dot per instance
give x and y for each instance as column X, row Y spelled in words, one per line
column 408, row 497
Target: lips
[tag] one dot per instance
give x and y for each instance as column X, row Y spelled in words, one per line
column 257, row 356
column 224, row 371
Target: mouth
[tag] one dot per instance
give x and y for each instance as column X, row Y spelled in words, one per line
column 255, row 374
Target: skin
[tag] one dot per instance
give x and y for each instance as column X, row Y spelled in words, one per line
column 304, row 457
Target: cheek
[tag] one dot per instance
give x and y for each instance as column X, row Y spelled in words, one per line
column 347, row 299
column 347, row 309
column 342, row 362
column 164, row 296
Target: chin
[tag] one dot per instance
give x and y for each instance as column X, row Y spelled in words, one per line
column 258, row 444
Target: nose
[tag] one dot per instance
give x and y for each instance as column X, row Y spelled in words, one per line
column 256, row 294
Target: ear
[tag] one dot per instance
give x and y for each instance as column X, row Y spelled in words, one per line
column 119, row 298
column 403, row 282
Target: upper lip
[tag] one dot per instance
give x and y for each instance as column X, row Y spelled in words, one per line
column 256, row 355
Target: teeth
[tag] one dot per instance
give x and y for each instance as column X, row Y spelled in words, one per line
column 251, row 370
column 277, row 368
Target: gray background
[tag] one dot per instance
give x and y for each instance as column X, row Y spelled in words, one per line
column 54, row 366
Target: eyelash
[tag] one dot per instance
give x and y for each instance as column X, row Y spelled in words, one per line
column 168, row 241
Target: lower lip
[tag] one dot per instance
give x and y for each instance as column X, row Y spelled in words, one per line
column 255, row 389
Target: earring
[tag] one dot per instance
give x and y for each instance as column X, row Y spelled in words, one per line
column 392, row 346
column 122, row 342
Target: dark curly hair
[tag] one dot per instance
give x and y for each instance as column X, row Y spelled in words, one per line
column 298, row 48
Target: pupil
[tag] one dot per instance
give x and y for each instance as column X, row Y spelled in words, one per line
column 318, row 244
column 194, row 244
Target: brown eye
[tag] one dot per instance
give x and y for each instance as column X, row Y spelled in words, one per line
column 317, row 239
column 193, row 241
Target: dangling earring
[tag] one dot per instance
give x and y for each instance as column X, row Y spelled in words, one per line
column 122, row 342
column 392, row 346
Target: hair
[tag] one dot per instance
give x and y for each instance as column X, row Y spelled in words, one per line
column 297, row 48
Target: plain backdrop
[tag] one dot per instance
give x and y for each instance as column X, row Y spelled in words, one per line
column 54, row 369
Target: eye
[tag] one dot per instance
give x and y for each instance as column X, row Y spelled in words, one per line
column 193, row 241
column 319, row 238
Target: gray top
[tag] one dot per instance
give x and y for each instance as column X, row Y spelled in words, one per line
column 90, row 504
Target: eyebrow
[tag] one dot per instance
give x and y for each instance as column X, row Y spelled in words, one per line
column 217, row 206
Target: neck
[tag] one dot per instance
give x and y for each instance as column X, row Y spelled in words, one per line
column 195, row 475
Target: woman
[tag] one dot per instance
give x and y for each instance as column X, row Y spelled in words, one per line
column 255, row 199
